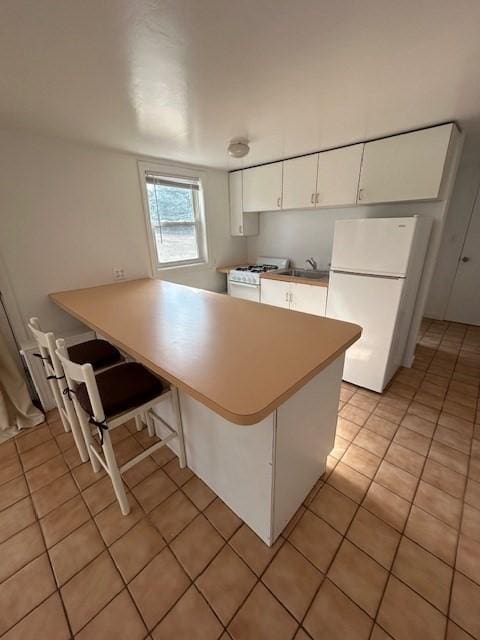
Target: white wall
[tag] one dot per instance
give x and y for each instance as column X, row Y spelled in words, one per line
column 301, row 234
column 71, row 213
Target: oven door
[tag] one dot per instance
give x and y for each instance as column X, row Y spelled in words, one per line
column 244, row 290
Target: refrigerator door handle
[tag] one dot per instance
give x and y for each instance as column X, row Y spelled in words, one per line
column 367, row 275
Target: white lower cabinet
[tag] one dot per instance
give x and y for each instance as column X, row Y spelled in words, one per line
column 308, row 298
column 275, row 292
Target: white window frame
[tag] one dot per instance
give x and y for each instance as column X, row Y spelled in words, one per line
column 176, row 172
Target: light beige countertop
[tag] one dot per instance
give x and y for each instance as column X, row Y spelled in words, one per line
column 273, row 275
column 239, row 358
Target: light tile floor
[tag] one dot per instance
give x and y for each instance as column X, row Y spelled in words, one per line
column 386, row 546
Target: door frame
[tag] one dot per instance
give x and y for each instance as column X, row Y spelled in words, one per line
column 474, row 211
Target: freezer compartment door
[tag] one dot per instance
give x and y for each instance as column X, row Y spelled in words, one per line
column 374, row 245
column 373, row 303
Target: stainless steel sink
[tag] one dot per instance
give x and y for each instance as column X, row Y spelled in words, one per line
column 313, row 274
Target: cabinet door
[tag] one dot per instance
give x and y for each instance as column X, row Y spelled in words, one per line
column 241, row 224
column 405, row 167
column 309, row 298
column 275, row 292
column 338, row 176
column 262, row 187
column 299, row 182
column 235, row 184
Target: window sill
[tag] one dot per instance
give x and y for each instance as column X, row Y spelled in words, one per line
column 195, row 266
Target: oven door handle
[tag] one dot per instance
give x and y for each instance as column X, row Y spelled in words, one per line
column 244, row 284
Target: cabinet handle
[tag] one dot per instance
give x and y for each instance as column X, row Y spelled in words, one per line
column 312, row 199
column 279, row 202
column 317, row 198
column 360, row 194
column 286, row 296
column 240, row 228
column 290, row 295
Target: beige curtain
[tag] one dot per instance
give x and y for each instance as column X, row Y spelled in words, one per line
column 16, row 408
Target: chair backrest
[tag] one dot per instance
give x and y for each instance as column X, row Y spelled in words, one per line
column 81, row 373
column 46, row 346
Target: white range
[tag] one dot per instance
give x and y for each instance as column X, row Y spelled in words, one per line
column 244, row 282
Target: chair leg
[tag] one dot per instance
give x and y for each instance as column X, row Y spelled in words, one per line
column 76, row 430
column 150, row 425
column 182, row 458
column 115, row 476
column 78, row 438
column 138, row 423
column 87, row 435
column 58, row 401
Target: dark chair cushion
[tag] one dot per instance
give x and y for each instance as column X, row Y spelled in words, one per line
column 122, row 388
column 99, row 353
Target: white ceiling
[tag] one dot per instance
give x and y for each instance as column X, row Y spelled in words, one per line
column 179, row 78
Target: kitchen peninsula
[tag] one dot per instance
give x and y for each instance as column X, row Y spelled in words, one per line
column 259, row 386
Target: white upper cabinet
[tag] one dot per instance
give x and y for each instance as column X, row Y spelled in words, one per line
column 401, row 168
column 406, row 167
column 262, row 187
column 241, row 224
column 338, row 176
column 328, row 179
column 300, row 182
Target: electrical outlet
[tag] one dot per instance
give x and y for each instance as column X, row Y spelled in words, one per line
column 119, row 274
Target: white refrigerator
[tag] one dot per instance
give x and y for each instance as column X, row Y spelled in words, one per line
column 375, row 272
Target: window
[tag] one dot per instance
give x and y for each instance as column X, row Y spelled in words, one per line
column 176, row 223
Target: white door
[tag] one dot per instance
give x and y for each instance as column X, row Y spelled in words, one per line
column 373, row 245
column 299, row 182
column 275, row 292
column 308, row 298
column 262, row 188
column 464, row 302
column 372, row 303
column 405, row 167
column 338, row 176
column 244, row 291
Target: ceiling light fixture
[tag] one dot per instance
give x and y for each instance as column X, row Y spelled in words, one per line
column 238, row 148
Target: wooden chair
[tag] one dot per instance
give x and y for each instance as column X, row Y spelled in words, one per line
column 100, row 352
column 111, row 398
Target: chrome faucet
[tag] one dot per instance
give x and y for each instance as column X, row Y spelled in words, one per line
column 312, row 262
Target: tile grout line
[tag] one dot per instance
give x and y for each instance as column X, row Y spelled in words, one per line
column 402, row 535
column 389, row 571
column 225, row 542
column 341, row 542
column 92, row 517
column 453, row 568
column 462, row 509
column 56, row 590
